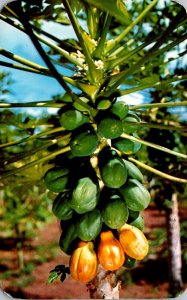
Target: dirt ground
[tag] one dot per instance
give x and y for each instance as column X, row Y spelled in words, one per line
column 148, row 280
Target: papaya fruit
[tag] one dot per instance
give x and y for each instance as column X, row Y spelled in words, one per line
column 133, row 241
column 127, row 146
column 72, row 119
column 89, row 225
column 138, row 222
column 83, row 262
column 120, row 109
column 103, row 104
column 84, row 196
column 133, row 171
column 110, row 252
column 110, row 128
column 84, row 144
column 68, row 238
column 129, row 262
column 130, row 128
column 113, row 173
column 135, row 195
column 61, row 208
column 56, row 179
column 115, row 213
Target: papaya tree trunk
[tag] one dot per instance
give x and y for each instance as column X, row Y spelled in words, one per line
column 105, row 285
column 174, row 248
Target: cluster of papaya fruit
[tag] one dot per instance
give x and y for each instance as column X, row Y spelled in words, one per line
column 100, row 193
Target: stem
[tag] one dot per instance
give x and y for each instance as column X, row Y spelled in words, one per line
column 31, row 70
column 20, row 156
column 158, row 105
column 147, row 57
column 22, row 60
column 153, row 84
column 158, row 147
column 157, row 172
column 38, row 104
column 78, row 31
column 35, row 162
column 157, row 126
column 62, row 52
column 50, row 65
column 113, row 43
column 34, row 136
column 101, row 45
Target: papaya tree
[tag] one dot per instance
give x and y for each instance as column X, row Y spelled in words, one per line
column 93, row 141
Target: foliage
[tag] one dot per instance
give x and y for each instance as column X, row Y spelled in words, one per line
column 117, row 51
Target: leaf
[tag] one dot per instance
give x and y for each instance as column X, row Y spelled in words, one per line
column 116, row 8
column 52, row 277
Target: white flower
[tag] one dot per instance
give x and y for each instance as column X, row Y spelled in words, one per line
column 99, row 64
column 4, row 2
column 183, row 3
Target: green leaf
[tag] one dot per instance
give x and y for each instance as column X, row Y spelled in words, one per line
column 116, row 8
column 52, row 277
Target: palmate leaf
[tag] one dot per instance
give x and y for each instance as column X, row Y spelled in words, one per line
column 116, row 8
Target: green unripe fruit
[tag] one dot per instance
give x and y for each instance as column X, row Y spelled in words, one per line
column 89, row 225
column 114, row 173
column 56, row 179
column 130, row 128
column 138, row 222
column 84, row 144
column 67, row 238
column 72, row 119
column 133, row 171
column 135, row 195
column 104, row 104
column 129, row 262
column 120, row 109
column 110, row 128
column 61, row 208
column 84, row 196
column 115, row 213
column 127, row 146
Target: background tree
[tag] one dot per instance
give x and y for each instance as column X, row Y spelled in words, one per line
column 103, row 68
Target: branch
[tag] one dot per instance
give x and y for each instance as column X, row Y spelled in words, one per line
column 158, row 147
column 157, row 172
column 159, row 105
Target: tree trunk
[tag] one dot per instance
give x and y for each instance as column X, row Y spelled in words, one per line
column 105, row 285
column 174, row 248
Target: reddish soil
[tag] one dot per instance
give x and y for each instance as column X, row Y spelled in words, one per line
column 148, row 280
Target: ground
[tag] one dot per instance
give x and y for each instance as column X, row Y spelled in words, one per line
column 148, row 280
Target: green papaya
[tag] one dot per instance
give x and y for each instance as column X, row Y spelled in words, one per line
column 84, row 144
column 138, row 222
column 133, row 171
column 114, row 173
column 89, row 225
column 110, row 128
column 127, row 146
column 120, row 109
column 135, row 195
column 130, row 128
column 61, row 208
column 72, row 119
column 115, row 213
column 67, row 239
column 84, row 196
column 129, row 262
column 56, row 179
column 103, row 104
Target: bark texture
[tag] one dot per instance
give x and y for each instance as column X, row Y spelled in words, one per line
column 174, row 248
column 105, row 285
